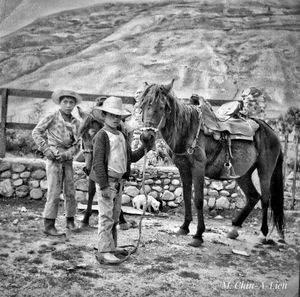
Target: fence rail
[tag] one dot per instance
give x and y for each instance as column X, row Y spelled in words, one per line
column 6, row 93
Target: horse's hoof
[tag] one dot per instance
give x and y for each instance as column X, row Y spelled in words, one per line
column 182, row 232
column 196, row 242
column 263, row 240
column 233, row 234
column 281, row 240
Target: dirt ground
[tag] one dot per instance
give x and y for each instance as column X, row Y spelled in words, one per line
column 164, row 265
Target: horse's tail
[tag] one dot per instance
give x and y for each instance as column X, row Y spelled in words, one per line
column 277, row 194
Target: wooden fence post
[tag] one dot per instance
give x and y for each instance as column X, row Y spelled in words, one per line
column 4, row 101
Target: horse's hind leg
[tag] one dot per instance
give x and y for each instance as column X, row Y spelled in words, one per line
column 252, row 197
column 88, row 212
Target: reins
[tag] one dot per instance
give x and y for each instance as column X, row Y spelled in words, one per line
column 130, row 252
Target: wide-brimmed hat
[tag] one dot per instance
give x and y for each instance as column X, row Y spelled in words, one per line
column 114, row 105
column 58, row 94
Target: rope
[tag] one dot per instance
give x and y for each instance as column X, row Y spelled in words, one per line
column 142, row 216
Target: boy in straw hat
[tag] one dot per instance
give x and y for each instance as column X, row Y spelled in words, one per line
column 112, row 157
column 57, row 137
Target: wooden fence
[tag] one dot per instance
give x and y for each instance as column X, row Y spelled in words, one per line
column 6, row 93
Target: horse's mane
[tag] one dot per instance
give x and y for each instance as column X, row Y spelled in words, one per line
column 181, row 119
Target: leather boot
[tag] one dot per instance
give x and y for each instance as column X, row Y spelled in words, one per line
column 70, row 224
column 50, row 229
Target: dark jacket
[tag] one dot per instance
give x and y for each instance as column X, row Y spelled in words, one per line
column 101, row 149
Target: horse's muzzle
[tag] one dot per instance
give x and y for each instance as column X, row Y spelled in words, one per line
column 148, row 136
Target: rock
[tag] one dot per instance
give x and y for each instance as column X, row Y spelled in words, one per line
column 172, row 204
column 231, row 185
column 234, row 195
column 22, row 191
column 82, row 185
column 15, row 176
column 157, row 188
column 23, row 209
column 222, row 203
column 132, row 183
column 6, row 174
column 149, row 181
column 81, row 196
column 132, row 191
column 18, row 168
column 212, row 192
column 18, row 182
column 166, row 187
column 224, row 193
column 211, row 202
column 218, row 217
column 6, row 188
column 38, row 174
column 154, row 194
column 158, row 182
column 147, row 189
column 4, row 166
column 167, row 196
column 205, row 191
column 167, row 181
column 217, row 185
column 44, row 184
column 172, row 188
column 125, row 199
column 34, row 183
column 25, row 174
column 239, row 202
column 36, row 194
column 175, row 182
column 205, row 206
column 15, row 221
column 179, row 199
column 178, row 192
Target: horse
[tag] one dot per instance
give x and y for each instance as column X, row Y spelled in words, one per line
column 181, row 125
column 90, row 125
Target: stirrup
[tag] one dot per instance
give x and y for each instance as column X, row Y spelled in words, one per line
column 228, row 172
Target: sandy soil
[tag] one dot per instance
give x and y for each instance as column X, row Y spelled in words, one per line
column 164, row 265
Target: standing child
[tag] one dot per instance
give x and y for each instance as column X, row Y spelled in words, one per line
column 57, row 137
column 112, row 157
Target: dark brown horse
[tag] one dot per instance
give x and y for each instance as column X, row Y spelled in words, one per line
column 180, row 125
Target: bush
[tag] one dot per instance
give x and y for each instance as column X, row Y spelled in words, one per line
column 20, row 142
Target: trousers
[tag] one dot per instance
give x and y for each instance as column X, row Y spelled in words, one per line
column 109, row 210
column 60, row 178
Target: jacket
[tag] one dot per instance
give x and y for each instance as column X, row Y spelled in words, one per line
column 101, row 149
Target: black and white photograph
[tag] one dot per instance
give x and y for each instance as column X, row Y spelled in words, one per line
column 149, row 148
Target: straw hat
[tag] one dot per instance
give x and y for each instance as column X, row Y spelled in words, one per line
column 114, row 105
column 58, row 94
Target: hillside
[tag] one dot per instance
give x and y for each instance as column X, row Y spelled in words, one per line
column 210, row 48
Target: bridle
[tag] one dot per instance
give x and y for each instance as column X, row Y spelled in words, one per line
column 190, row 150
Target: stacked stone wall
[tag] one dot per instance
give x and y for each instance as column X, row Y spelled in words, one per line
column 26, row 178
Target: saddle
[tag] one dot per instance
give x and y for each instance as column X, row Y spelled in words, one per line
column 227, row 123
column 228, row 119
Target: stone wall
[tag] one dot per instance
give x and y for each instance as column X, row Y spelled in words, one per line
column 26, row 178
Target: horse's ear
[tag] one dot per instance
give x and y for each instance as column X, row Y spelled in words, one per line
column 81, row 113
column 169, row 86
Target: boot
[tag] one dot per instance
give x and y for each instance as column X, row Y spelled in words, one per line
column 70, row 224
column 107, row 258
column 50, row 229
column 115, row 234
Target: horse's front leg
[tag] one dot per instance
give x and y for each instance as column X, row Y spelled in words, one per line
column 198, row 181
column 186, row 178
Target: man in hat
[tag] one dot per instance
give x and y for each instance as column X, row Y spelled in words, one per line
column 112, row 157
column 57, row 137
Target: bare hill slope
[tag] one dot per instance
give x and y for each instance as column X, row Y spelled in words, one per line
column 209, row 48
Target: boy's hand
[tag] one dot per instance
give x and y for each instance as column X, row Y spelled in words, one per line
column 49, row 155
column 64, row 157
column 106, row 192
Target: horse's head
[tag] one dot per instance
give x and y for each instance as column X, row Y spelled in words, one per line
column 155, row 105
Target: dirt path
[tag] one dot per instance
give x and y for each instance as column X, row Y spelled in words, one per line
column 35, row 265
